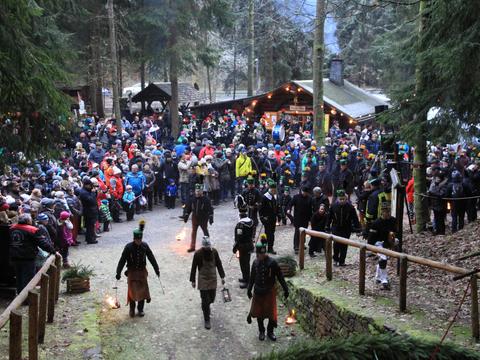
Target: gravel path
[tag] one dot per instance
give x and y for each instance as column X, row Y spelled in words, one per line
column 173, row 325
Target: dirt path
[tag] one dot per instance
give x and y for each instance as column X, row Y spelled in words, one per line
column 173, row 325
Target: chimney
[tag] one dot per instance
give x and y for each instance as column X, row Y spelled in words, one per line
column 336, row 71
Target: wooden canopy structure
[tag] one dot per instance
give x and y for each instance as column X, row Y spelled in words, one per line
column 161, row 92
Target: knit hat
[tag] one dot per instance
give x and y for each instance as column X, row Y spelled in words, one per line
column 42, row 217
column 206, row 242
column 105, row 202
column 64, row 215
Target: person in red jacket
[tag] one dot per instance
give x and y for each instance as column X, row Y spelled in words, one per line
column 25, row 241
column 206, row 150
column 410, row 190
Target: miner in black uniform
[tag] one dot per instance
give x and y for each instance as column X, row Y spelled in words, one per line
column 268, row 214
column 253, row 199
column 135, row 255
column 265, row 271
column 302, row 205
column 320, row 198
column 244, row 232
column 382, row 234
column 202, row 213
column 342, row 221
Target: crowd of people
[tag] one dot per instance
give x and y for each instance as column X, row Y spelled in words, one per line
column 342, row 186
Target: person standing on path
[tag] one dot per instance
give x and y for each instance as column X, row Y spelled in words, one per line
column 265, row 271
column 268, row 214
column 207, row 261
column 135, row 255
column 202, row 213
column 302, row 205
column 88, row 197
column 244, row 232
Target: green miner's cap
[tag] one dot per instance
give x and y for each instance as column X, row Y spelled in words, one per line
column 137, row 234
column 260, row 247
column 286, row 188
column 343, row 162
column 321, row 163
column 250, row 180
column 340, row 193
column 272, row 184
column 198, row 187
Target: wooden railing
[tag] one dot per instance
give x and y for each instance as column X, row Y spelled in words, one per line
column 41, row 309
column 403, row 260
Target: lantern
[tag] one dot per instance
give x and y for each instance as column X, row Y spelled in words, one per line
column 226, row 295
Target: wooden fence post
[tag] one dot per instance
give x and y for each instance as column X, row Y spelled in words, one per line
column 328, row 257
column 42, row 313
column 15, row 347
column 361, row 273
column 33, row 325
column 474, row 311
column 301, row 253
column 58, row 259
column 403, row 283
column 52, row 273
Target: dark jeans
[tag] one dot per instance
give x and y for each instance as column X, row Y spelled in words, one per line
column 315, row 244
column 184, row 192
column 270, row 232
column 439, row 222
column 90, row 229
column 140, row 306
column 271, row 325
column 170, row 202
column 244, row 260
column 296, row 237
column 458, row 219
column 149, row 196
column 239, row 181
column 228, row 187
column 340, row 250
column 24, row 272
column 130, row 210
column 208, row 297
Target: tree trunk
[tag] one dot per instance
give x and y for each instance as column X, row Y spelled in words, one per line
column 251, row 46
column 209, row 84
column 142, row 79
column 100, row 106
column 174, row 59
column 235, row 67
column 114, row 66
column 120, row 73
column 420, row 118
column 318, row 56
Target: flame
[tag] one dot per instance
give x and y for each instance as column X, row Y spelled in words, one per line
column 112, row 302
column 449, row 207
column 237, row 254
column 181, row 235
column 291, row 319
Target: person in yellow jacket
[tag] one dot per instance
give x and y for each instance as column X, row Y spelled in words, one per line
column 243, row 167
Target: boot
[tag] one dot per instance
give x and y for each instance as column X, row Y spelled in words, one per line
column 132, row 309
column 207, row 325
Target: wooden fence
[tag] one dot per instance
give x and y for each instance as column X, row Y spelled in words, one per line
column 41, row 309
column 404, row 259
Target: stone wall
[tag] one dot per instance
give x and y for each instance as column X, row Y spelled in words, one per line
column 321, row 317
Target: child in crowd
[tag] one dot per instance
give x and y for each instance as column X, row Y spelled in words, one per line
column 128, row 201
column 171, row 194
column 65, row 236
column 105, row 217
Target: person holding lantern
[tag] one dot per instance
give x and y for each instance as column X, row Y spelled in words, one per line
column 135, row 255
column 262, row 290
column 207, row 261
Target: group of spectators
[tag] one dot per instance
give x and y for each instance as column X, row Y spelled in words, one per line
column 105, row 173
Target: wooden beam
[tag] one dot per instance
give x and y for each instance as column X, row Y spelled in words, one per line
column 42, row 312
column 362, row 270
column 301, row 253
column 474, row 311
column 403, row 284
column 51, row 294
column 15, row 341
column 328, row 258
column 33, row 325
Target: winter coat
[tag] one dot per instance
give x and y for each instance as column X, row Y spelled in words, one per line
column 25, row 241
column 207, row 261
column 183, row 168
